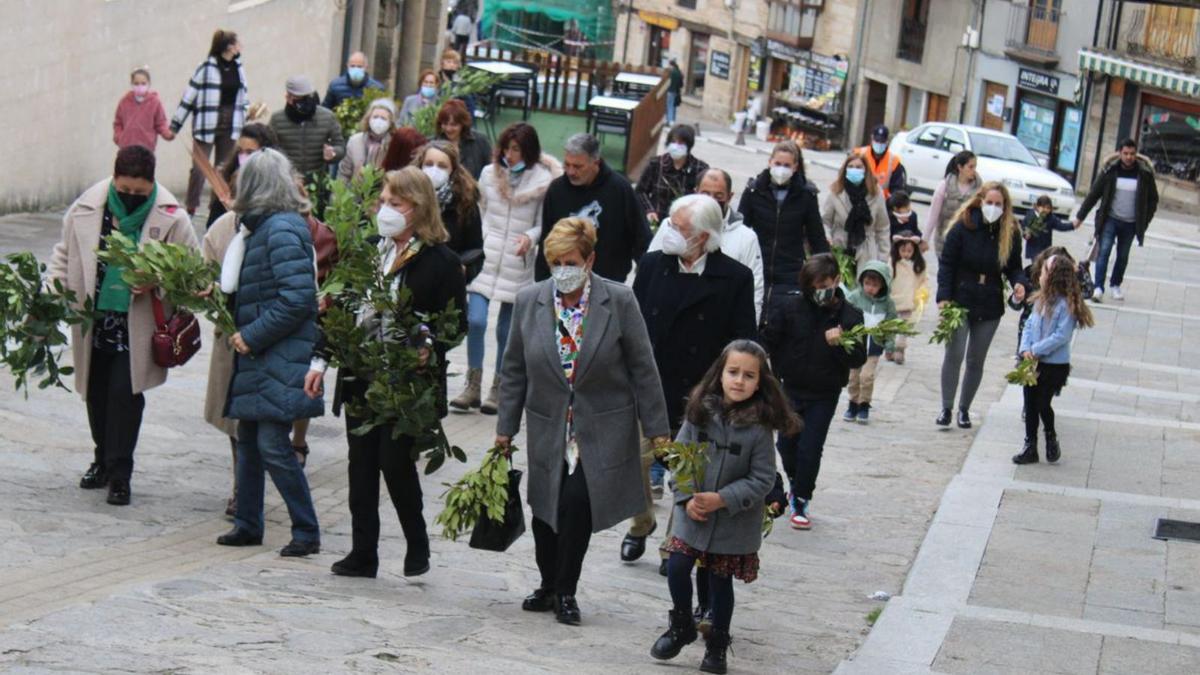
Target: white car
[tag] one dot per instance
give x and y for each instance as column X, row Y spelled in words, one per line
column 926, row 150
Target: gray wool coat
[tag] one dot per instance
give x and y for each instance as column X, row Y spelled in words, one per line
column 616, row 387
column 741, row 468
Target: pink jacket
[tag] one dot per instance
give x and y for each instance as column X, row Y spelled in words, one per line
column 139, row 123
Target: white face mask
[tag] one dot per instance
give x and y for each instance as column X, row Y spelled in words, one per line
column 992, row 212
column 568, row 278
column 674, row 243
column 437, row 175
column 379, row 125
column 391, row 223
column 780, row 175
column 677, row 150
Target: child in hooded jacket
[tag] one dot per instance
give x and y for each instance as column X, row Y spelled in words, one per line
column 732, row 413
column 140, row 118
column 910, row 284
column 873, row 298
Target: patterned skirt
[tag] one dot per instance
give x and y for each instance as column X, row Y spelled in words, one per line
column 741, row 566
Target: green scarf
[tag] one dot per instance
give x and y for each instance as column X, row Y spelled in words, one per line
column 114, row 292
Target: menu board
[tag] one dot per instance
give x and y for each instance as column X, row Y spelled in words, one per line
column 816, row 82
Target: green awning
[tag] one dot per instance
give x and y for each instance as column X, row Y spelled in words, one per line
column 1175, row 81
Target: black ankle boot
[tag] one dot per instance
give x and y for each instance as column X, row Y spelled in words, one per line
column 1029, row 455
column 964, row 418
column 680, row 633
column 714, row 652
column 943, row 420
column 1053, row 451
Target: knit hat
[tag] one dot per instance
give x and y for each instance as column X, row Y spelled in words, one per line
column 300, row 85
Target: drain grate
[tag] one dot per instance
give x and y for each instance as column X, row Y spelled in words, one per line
column 1177, row 529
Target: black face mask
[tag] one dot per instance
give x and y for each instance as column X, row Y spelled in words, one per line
column 302, row 109
column 131, row 201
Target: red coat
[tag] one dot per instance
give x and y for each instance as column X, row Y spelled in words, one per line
column 139, row 123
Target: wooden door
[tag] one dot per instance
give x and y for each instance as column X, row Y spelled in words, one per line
column 876, row 108
column 939, row 108
column 1042, row 32
column 991, row 109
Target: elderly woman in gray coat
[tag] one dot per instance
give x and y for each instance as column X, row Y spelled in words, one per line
column 580, row 364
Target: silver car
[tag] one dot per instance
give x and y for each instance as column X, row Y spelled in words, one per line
column 927, row 149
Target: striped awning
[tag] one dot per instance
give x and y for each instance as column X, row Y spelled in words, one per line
column 1169, row 79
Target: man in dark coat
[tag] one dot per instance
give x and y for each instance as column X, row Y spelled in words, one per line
column 590, row 189
column 350, row 84
column 1128, row 198
column 695, row 300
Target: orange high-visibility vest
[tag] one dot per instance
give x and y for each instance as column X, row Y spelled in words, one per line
column 883, row 169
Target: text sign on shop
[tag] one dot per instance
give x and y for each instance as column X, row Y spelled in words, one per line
column 719, row 65
column 1035, row 81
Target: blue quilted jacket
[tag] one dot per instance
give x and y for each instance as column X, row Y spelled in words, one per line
column 276, row 311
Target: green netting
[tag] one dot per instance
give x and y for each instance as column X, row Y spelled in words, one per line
column 544, row 24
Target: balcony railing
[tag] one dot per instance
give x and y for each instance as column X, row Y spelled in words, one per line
column 912, row 40
column 1033, row 33
column 1162, row 34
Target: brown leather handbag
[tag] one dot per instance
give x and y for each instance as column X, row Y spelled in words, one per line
column 175, row 340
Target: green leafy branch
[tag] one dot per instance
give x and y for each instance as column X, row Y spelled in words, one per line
column 885, row 331
column 687, row 462
column 31, row 319
column 847, row 267
column 470, row 81
column 350, row 111
column 184, row 278
column 480, row 492
column 950, row 318
column 1025, row 374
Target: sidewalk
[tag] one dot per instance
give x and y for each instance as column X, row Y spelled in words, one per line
column 1053, row 568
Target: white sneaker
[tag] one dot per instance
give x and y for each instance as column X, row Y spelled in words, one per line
column 1117, row 294
column 1098, row 294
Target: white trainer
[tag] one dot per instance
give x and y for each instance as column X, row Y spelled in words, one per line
column 1117, row 294
column 1098, row 294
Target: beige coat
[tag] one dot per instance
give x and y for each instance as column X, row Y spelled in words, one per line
column 359, row 154
column 878, row 242
column 74, row 263
column 220, row 365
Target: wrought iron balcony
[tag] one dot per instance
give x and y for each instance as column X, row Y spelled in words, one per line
column 1033, row 34
column 1159, row 34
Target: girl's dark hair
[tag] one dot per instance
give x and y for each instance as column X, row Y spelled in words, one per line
column 959, row 161
column 820, row 266
column 221, row 41
column 768, row 406
column 683, row 133
column 258, row 132
column 899, row 198
column 134, row 161
column 918, row 260
column 527, row 139
column 1064, row 283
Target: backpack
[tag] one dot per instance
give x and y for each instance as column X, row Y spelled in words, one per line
column 1083, row 272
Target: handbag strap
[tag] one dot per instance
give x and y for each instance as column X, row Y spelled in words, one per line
column 159, row 319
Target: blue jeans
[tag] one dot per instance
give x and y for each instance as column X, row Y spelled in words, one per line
column 1120, row 232
column 801, row 454
column 672, row 103
column 477, row 321
column 267, row 445
column 657, row 471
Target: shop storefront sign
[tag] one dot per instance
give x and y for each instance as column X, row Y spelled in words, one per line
column 718, row 65
column 660, row 20
column 1036, row 81
column 785, row 52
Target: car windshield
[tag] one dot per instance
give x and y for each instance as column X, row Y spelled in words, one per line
column 1005, row 148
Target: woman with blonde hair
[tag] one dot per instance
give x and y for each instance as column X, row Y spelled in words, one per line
column 414, row 256
column 580, row 366
column 457, row 202
column 982, row 245
column 368, row 146
column 855, row 213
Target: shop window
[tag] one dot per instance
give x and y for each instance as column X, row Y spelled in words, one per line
column 697, row 64
column 914, row 19
column 1170, row 137
column 1035, row 123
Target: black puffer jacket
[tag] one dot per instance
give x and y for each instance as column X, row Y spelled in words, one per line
column 969, row 268
column 794, row 335
column 783, row 228
column 1105, row 186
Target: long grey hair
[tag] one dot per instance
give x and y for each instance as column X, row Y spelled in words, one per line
column 267, row 184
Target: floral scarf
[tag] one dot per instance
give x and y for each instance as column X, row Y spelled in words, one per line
column 568, row 324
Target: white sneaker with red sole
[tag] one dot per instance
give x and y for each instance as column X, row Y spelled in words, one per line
column 800, row 519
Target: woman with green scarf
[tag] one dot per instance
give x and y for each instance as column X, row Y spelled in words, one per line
column 113, row 362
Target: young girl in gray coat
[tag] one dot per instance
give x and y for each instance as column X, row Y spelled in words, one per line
column 732, row 413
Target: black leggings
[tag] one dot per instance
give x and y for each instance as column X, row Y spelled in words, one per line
column 720, row 589
column 1039, row 399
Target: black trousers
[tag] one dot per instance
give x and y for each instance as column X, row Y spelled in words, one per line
column 560, row 555
column 374, row 453
column 1039, row 399
column 114, row 412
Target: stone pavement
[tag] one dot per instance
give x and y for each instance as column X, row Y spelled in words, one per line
column 87, row 587
column 1053, row 568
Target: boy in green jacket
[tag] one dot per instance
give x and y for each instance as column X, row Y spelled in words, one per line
column 873, row 298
